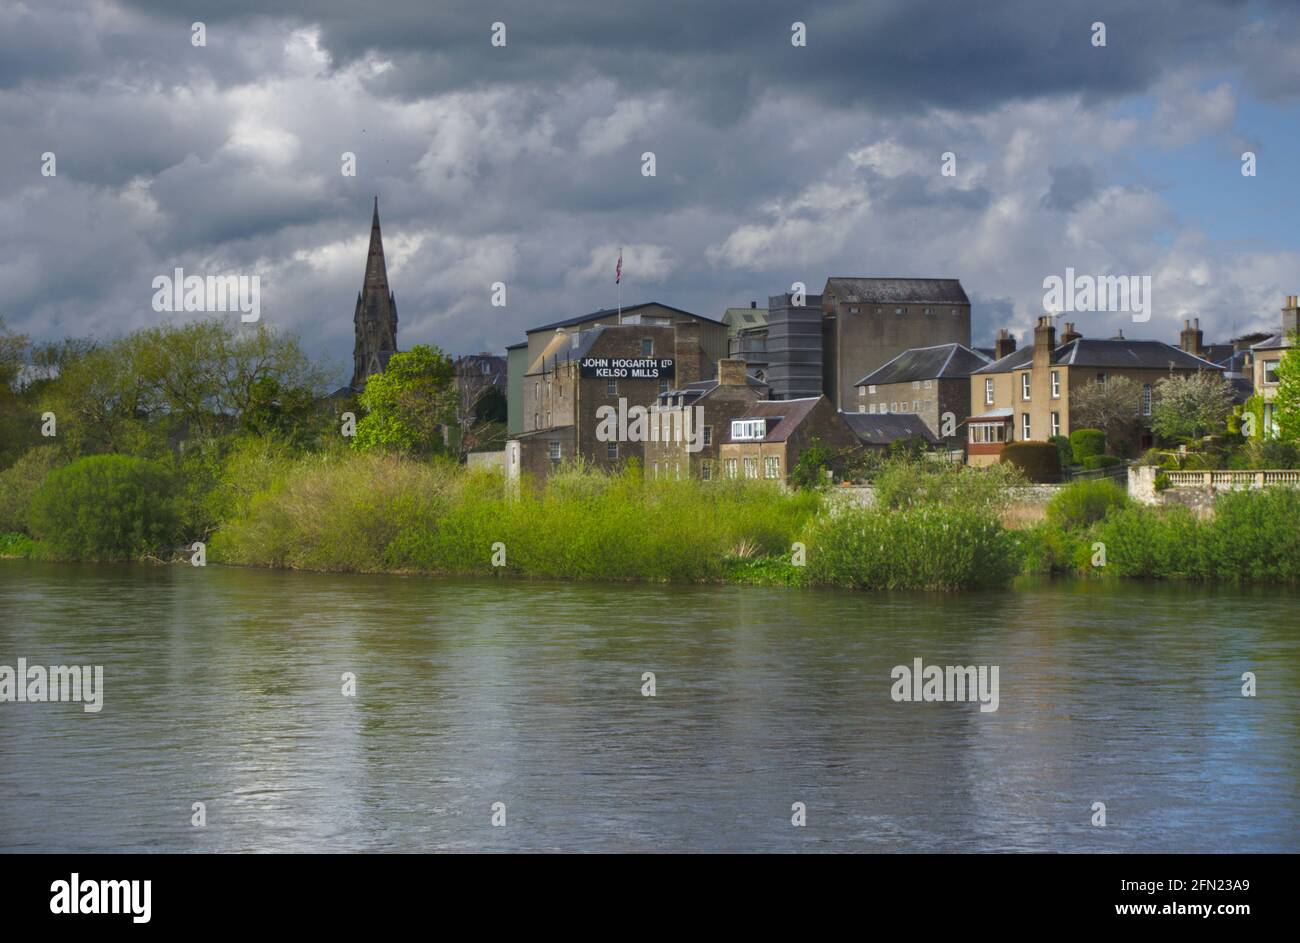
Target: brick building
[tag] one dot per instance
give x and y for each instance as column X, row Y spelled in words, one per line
column 579, row 372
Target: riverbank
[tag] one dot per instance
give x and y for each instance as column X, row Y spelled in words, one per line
column 929, row 528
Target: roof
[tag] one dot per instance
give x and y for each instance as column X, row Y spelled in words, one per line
column 516, row 346
column 928, row 363
column 1275, row 342
column 1115, row 353
column 788, row 413
column 704, row 387
column 885, row 428
column 742, row 319
column 898, row 290
column 606, row 312
column 1002, row 412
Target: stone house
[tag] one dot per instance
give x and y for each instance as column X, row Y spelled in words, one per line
column 932, row 383
column 712, row 405
column 768, row 438
column 1026, row 395
column 1267, row 354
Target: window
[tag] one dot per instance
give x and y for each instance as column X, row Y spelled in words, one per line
column 706, row 471
column 893, row 407
column 987, row 433
column 853, row 310
column 927, row 384
column 611, row 387
column 731, row 468
column 900, row 311
column 1056, row 423
column 1270, row 371
column 929, row 311
column 1146, row 399
column 1101, row 378
column 862, row 392
column 872, row 389
column 916, row 405
column 1056, row 385
column 988, row 391
column 873, row 408
column 916, row 384
column 1024, row 386
column 708, row 435
column 678, row 472
column 956, row 312
column 555, row 451
column 1024, row 426
column 663, row 385
column 771, row 467
column 647, row 347
column 748, row 429
column 611, row 450
column 751, row 467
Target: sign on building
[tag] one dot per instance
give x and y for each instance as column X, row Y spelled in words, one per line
column 627, row 368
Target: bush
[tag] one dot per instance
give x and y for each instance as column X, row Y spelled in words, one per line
column 105, row 507
column 18, row 484
column 1047, row 549
column 904, row 484
column 1082, row 503
column 1039, row 461
column 920, row 548
column 1086, row 443
column 1093, row 462
column 1064, row 448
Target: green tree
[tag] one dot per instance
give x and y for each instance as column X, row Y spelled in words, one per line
column 105, row 507
column 1286, row 401
column 408, row 404
column 1191, row 406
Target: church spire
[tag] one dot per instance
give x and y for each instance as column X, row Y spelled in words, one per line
column 375, row 319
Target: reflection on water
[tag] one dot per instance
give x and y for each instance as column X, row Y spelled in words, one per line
column 223, row 686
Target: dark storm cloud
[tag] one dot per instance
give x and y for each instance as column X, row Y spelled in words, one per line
column 523, row 164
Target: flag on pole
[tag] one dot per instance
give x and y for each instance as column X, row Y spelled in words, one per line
column 618, row 269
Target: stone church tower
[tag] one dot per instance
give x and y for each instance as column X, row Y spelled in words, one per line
column 376, row 316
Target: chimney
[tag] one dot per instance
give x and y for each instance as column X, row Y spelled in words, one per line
column 1289, row 316
column 1191, row 338
column 686, row 352
column 1044, row 341
column 1003, row 344
column 731, row 372
column 1070, row 333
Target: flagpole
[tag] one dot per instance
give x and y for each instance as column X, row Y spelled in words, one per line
column 620, row 284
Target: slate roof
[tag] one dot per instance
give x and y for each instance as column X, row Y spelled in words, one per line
column 744, row 319
column 605, row 312
column 788, row 413
column 886, row 428
column 1114, row 353
column 1276, row 342
column 939, row 291
column 928, row 363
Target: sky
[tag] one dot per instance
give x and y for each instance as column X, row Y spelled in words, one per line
column 522, row 163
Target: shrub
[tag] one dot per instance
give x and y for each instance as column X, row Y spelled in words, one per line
column 1156, row 543
column 1093, row 462
column 1046, row 549
column 920, row 548
column 105, row 507
column 903, row 484
column 1039, row 461
column 1082, row 503
column 18, row 484
column 1086, row 443
column 1162, row 481
column 1063, row 447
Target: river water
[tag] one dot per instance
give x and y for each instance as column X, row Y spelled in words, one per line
column 224, row 686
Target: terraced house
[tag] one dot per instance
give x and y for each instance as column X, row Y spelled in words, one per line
column 931, row 383
column 1026, row 395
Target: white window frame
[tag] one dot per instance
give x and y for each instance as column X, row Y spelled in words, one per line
column 555, row 450
column 988, row 391
column 1056, row 423
column 1026, row 427
column 1056, row 384
column 1024, row 386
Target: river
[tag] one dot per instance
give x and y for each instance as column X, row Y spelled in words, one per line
column 224, row 686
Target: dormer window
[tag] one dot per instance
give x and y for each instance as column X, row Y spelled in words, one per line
column 748, row 430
